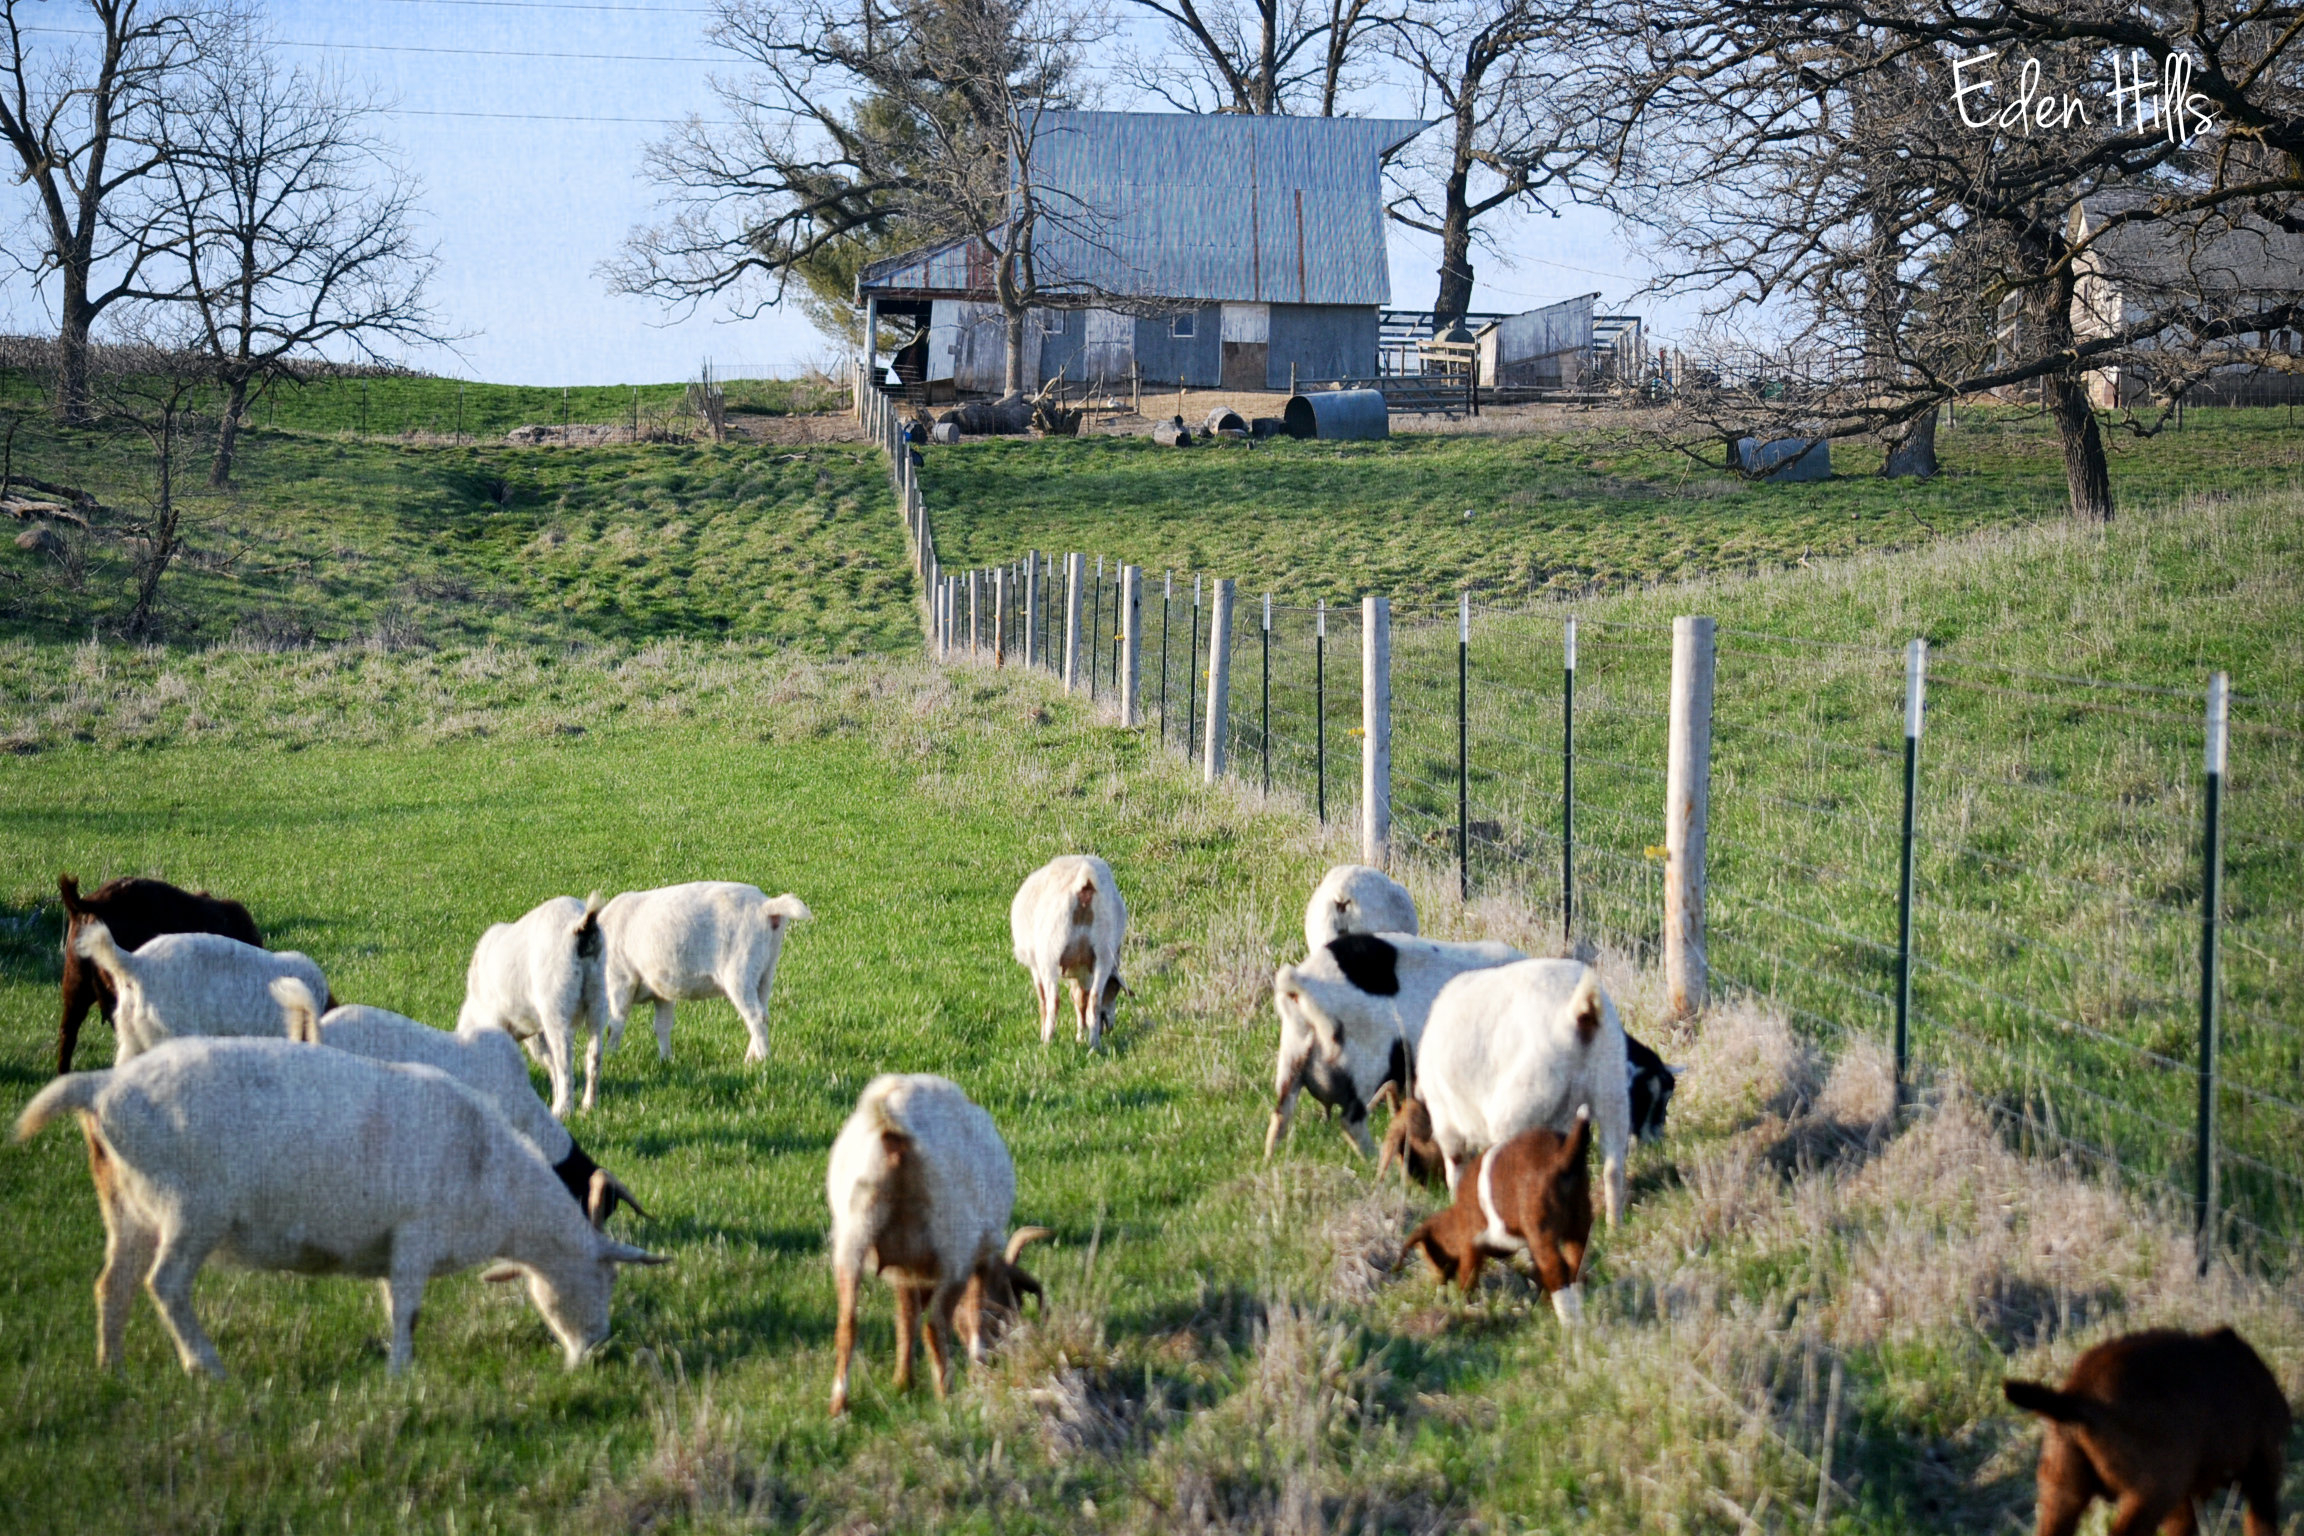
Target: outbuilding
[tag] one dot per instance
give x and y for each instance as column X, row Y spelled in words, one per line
column 1220, row 251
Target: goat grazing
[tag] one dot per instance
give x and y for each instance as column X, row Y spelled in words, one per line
column 1526, row 1046
column 1354, row 898
column 710, row 938
column 1351, row 1015
column 485, row 1061
column 1067, row 924
column 192, row 984
column 2153, row 1421
column 921, row 1187
column 137, row 911
column 540, row 979
column 1531, row 1195
column 273, row 1155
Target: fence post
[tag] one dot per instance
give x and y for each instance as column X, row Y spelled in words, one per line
column 1320, row 704
column 1095, row 623
column 1167, row 591
column 1264, row 726
column 1131, row 643
column 2211, row 895
column 1192, row 681
column 1463, row 746
column 975, row 612
column 1568, row 782
column 1219, row 681
column 1000, row 617
column 1375, row 730
column 1687, row 796
column 1032, row 600
column 1075, row 572
column 1915, row 701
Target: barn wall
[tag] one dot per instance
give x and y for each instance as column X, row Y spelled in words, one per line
column 1323, row 341
column 1196, row 360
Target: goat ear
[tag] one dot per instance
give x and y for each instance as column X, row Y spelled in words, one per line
column 616, row 1252
column 1022, row 1237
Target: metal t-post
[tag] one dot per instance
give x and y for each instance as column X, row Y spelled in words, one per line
column 1568, row 782
column 1320, row 704
column 1915, row 706
column 1463, row 746
column 1192, row 680
column 1167, row 591
column 2211, row 898
column 1375, row 730
column 1264, row 726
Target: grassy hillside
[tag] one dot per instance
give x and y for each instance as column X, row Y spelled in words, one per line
column 324, row 539
column 1228, row 1345
column 1548, row 514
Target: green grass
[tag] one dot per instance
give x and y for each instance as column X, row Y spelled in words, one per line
column 325, row 539
column 1551, row 513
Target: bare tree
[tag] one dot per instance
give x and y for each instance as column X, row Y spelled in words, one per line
column 1521, row 113
column 82, row 122
column 1910, row 245
column 873, row 124
column 293, row 225
column 152, row 376
column 1259, row 56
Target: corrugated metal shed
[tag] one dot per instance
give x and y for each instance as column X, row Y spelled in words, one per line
column 1223, row 208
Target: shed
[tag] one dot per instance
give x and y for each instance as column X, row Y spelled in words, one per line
column 1549, row 347
column 1222, row 251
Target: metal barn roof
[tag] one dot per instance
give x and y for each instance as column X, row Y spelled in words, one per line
column 1219, row 208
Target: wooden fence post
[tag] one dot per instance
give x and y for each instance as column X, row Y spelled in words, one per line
column 1687, row 797
column 1075, row 573
column 975, row 612
column 1375, row 730
column 1219, row 681
column 1131, row 644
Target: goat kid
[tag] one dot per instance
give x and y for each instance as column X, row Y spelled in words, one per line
column 2154, row 1421
column 1532, row 1195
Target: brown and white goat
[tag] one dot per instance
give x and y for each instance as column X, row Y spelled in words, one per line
column 2152, row 1422
column 1531, row 1195
column 137, row 911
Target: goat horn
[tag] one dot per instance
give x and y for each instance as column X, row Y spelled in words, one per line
column 1021, row 1236
column 606, row 1190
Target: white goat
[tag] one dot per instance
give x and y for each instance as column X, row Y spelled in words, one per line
column 1521, row 1047
column 1355, row 898
column 1351, row 1015
column 193, row 984
column 711, row 938
column 1067, row 924
column 274, row 1155
column 540, row 978
column 921, row 1187
column 485, row 1061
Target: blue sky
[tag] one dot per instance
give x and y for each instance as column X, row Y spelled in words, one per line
column 527, row 121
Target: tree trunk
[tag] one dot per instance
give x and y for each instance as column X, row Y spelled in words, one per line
column 2085, row 472
column 228, row 433
column 72, row 357
column 160, row 540
column 1456, row 229
column 1914, row 456
column 1015, row 375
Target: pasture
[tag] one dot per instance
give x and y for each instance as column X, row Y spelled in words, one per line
column 1804, row 1321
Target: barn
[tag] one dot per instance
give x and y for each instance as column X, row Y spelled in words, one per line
column 1222, row 251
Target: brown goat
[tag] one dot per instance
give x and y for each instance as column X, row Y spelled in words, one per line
column 2154, row 1421
column 1408, row 1140
column 1532, row 1194
column 137, row 911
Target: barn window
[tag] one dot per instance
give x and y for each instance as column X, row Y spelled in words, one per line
column 1182, row 325
column 1052, row 322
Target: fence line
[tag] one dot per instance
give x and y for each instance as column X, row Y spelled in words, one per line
column 2015, row 876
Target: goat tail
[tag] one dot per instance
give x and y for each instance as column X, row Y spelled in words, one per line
column 73, row 1093
column 95, row 943
column 68, row 887
column 295, row 1000
column 588, row 928
column 1584, row 1005
column 2038, row 1397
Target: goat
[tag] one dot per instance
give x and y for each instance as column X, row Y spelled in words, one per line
column 1355, row 898
column 192, row 984
column 1532, row 1195
column 709, row 938
column 137, row 911
column 1653, row 1080
column 2152, row 1422
column 1351, row 1014
column 1522, row 1046
column 485, row 1061
column 273, row 1155
column 541, row 978
column 921, row 1187
column 1066, row 925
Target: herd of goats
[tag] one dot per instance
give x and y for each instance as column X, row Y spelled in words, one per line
column 249, row 1117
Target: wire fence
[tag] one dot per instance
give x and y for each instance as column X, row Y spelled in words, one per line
column 2056, row 919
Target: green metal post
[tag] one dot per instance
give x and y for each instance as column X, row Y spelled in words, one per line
column 1915, row 705
column 2211, row 892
